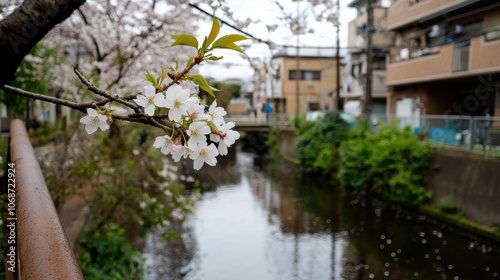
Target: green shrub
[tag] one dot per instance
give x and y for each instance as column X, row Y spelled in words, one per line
column 318, row 142
column 354, row 167
column 390, row 162
column 107, row 254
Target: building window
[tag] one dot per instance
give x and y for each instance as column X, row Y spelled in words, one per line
column 461, row 56
column 307, row 75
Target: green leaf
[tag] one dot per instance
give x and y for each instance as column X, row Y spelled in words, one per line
column 214, row 58
column 213, row 32
column 185, row 40
column 232, row 46
column 163, row 74
column 227, row 42
column 190, row 61
column 176, row 64
column 150, row 78
column 202, row 83
column 204, row 45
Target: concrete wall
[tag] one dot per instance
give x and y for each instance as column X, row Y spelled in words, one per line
column 286, row 142
column 469, row 180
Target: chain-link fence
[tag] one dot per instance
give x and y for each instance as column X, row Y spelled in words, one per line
column 478, row 134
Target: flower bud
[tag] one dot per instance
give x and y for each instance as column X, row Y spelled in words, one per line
column 109, row 120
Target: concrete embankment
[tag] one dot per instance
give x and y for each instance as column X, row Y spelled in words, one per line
column 470, row 181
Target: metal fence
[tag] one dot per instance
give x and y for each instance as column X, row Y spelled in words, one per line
column 478, row 134
column 39, row 248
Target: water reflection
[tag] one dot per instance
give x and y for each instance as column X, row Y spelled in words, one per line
column 268, row 222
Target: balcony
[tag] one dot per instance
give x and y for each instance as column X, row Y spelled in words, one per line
column 458, row 59
column 404, row 12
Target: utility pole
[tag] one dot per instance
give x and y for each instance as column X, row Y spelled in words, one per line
column 297, row 79
column 337, row 54
column 297, row 59
column 369, row 60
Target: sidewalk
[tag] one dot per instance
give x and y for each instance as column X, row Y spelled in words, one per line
column 74, row 216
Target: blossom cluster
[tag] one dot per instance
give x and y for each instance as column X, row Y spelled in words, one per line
column 195, row 130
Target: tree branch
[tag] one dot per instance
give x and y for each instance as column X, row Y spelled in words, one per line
column 51, row 99
column 103, row 93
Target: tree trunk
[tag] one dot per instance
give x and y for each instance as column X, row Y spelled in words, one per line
column 25, row 27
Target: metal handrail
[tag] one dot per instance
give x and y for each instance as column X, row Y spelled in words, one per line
column 43, row 248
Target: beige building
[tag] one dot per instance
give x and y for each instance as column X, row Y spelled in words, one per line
column 316, row 85
column 446, row 58
column 355, row 71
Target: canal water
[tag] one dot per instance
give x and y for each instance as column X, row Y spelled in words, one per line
column 267, row 222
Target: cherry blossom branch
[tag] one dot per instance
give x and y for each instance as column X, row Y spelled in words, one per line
column 138, row 117
column 102, row 92
column 179, row 76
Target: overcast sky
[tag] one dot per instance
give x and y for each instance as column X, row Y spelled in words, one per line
column 262, row 13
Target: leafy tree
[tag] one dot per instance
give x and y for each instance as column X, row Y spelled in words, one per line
column 34, row 74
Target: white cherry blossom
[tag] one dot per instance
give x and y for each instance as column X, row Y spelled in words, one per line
column 181, row 151
column 177, row 102
column 150, row 100
column 197, row 132
column 94, row 120
column 216, row 114
column 164, row 143
column 204, row 154
column 225, row 137
column 196, row 111
column 115, row 110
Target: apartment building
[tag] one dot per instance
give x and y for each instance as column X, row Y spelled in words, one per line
column 446, row 57
column 317, row 82
column 356, row 60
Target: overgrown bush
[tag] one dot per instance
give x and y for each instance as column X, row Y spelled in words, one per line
column 390, row 162
column 318, row 142
column 107, row 254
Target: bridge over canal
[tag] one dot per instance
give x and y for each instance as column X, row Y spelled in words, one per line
column 250, row 123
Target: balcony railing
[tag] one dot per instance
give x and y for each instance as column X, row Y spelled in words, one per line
column 406, row 54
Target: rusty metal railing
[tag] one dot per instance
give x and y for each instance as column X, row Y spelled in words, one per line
column 42, row 247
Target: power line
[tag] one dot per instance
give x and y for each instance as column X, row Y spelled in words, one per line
column 267, row 42
column 232, row 26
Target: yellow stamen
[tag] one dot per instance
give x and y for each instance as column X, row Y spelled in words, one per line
column 204, row 153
